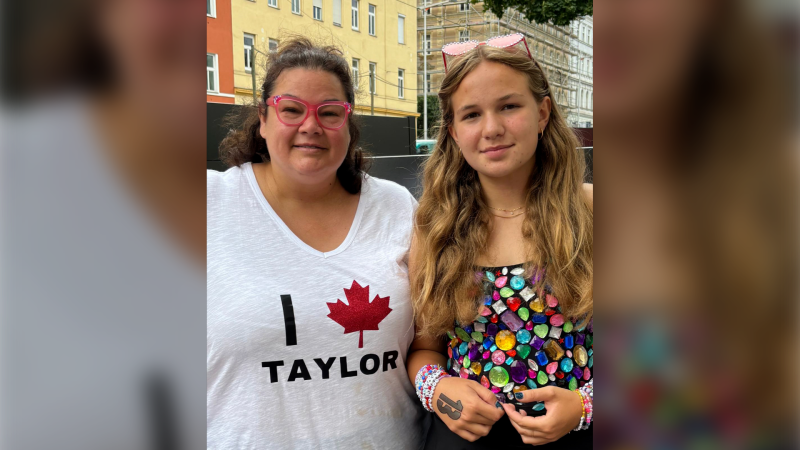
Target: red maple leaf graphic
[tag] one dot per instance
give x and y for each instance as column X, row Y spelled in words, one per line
column 360, row 314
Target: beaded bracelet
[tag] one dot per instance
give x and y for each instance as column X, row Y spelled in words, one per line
column 426, row 380
column 586, row 394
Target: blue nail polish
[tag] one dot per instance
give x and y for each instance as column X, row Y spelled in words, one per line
column 518, row 395
column 498, row 405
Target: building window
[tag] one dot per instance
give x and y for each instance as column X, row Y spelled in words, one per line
column 401, row 27
column 463, row 7
column 355, row 74
column 273, row 3
column 428, row 82
column 371, row 24
column 427, row 44
column 373, row 72
column 400, row 80
column 211, row 73
column 273, row 46
column 354, row 15
column 249, row 40
column 463, row 35
column 211, row 8
column 317, row 9
column 296, row 6
column 337, row 12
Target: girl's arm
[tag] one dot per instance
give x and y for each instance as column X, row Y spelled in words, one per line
column 466, row 407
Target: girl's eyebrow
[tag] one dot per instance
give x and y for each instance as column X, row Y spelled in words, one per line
column 501, row 99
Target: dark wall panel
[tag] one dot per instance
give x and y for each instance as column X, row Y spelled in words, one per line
column 390, row 140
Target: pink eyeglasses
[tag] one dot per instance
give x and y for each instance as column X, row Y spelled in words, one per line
column 293, row 112
column 459, row 48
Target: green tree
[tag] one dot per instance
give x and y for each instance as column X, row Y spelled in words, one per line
column 434, row 116
column 557, row 12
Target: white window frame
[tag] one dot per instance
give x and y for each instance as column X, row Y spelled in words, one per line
column 355, row 67
column 373, row 80
column 371, row 22
column 427, row 44
column 401, row 83
column 297, row 8
column 463, row 7
column 401, row 29
column 213, row 12
column 428, row 82
column 248, row 51
column 272, row 3
column 337, row 11
column 354, row 14
column 215, row 71
column 271, row 50
column 463, row 35
column 316, row 10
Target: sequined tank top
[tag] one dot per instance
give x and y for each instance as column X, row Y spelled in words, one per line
column 520, row 340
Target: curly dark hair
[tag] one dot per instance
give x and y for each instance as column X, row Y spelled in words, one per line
column 245, row 144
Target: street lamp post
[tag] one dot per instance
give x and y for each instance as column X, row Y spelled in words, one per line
column 253, row 70
column 425, row 65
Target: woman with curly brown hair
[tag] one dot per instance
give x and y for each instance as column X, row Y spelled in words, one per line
column 309, row 315
column 503, row 249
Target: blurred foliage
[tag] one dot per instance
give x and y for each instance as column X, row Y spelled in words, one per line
column 556, row 12
column 434, row 116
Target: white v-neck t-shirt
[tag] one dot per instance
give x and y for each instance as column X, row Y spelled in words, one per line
column 307, row 349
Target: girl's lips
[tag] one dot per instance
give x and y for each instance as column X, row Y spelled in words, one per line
column 496, row 150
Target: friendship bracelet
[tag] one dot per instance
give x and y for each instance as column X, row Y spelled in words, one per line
column 586, row 393
column 425, row 382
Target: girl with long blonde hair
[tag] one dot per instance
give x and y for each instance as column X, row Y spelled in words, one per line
column 501, row 261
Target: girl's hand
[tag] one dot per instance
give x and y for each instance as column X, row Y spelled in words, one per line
column 564, row 410
column 466, row 407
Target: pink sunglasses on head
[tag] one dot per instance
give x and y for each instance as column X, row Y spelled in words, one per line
column 459, row 48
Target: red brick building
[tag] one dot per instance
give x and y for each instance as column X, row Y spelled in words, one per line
column 219, row 52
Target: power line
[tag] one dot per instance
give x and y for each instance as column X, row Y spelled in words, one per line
column 405, row 88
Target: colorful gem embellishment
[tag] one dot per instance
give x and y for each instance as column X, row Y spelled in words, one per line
column 521, row 339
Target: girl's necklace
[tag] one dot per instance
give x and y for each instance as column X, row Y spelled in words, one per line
column 506, row 210
column 507, row 213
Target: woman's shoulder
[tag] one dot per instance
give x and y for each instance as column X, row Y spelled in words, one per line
column 216, row 179
column 220, row 185
column 388, row 191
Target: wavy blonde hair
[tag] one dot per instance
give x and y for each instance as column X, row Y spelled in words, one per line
column 452, row 222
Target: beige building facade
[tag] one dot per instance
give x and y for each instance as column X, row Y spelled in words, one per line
column 378, row 38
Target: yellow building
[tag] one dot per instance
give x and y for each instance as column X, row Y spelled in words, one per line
column 377, row 36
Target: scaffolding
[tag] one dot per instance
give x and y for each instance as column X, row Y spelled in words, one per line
column 552, row 46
